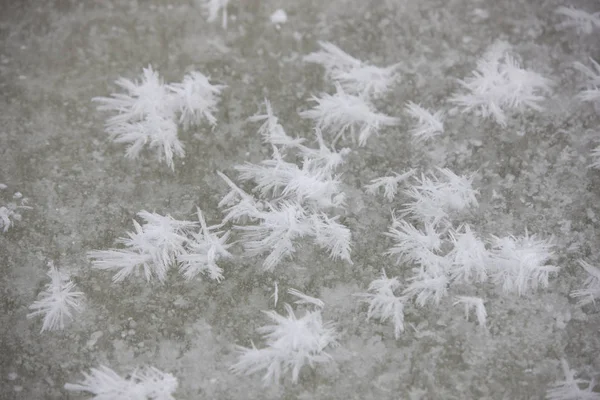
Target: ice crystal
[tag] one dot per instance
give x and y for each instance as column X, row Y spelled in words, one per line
column 591, row 286
column 356, row 77
column 384, row 304
column 342, row 112
column 520, row 263
column 389, row 184
column 57, row 302
column 592, row 91
column 500, row 84
column 428, row 125
column 143, row 384
column 582, row 21
column 154, row 247
column 203, row 251
column 291, row 343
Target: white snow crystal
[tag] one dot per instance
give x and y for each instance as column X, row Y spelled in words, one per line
column 582, row 21
column 428, row 125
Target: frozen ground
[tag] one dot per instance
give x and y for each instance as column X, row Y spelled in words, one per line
column 56, row 55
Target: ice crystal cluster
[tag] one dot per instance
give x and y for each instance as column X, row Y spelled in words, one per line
column 163, row 242
column 148, row 113
column 142, row 384
column 291, row 342
column 500, row 84
column 11, row 211
column 441, row 252
column 58, row 301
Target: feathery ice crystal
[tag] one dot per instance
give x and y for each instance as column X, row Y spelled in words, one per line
column 147, row 112
column 203, row 250
column 10, row 212
column 428, row 125
column 500, row 84
column 582, row 21
column 436, row 197
column 272, row 131
column 57, row 302
column 389, row 184
column 384, row 304
column 591, row 289
column 592, row 91
column 356, row 77
column 520, row 263
column 571, row 388
column 469, row 259
column 196, row 99
column 154, row 246
column 291, row 343
column 473, row 303
column 143, row 384
column 343, row 112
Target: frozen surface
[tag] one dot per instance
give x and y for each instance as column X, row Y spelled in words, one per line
column 56, row 55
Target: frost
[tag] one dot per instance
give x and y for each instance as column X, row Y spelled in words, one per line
column 356, row 77
column 332, row 236
column 412, row 244
column 592, row 92
column 344, row 112
column 520, row 263
column 469, row 258
column 384, row 304
column 275, row 233
column 571, row 388
column 428, row 125
column 389, row 184
column 196, row 99
column 11, row 212
column 143, row 384
column 57, row 302
column 272, row 131
column 154, row 247
column 582, row 21
column 146, row 115
column 500, row 84
column 436, row 197
column 475, row 303
column 203, row 251
column 429, row 285
column 591, row 286
column 278, row 17
column 291, row 343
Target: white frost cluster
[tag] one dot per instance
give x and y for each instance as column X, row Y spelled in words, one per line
column 582, row 21
column 572, row 388
column 389, row 184
column 436, row 197
column 57, row 302
column 591, row 286
column 500, row 84
column 519, row 263
column 146, row 115
column 11, row 212
column 291, row 343
column 428, row 125
column 294, row 201
column 142, row 384
column 384, row 304
column 355, row 76
column 344, row 112
column 162, row 242
column 592, row 90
